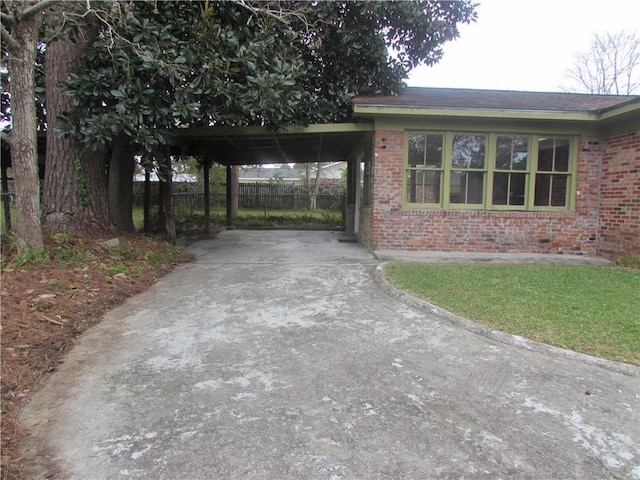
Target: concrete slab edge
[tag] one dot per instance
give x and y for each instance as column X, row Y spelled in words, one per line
column 503, row 337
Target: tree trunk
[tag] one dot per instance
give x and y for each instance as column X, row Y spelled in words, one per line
column 167, row 198
column 6, row 200
column 147, row 201
column 23, row 139
column 121, row 170
column 74, row 197
column 313, row 199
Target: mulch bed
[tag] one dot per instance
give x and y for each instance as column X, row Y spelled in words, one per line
column 44, row 308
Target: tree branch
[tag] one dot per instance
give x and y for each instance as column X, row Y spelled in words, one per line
column 7, row 39
column 6, row 18
column 37, row 8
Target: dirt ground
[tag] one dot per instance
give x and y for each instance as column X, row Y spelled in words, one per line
column 46, row 306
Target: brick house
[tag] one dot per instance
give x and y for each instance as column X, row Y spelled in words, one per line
column 498, row 171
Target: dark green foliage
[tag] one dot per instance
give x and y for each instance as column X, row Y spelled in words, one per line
column 369, row 47
column 171, row 64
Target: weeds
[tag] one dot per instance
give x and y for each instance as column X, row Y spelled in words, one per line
column 628, row 260
column 31, row 256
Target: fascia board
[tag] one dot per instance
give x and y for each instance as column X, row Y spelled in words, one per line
column 264, row 131
column 630, row 107
column 378, row 110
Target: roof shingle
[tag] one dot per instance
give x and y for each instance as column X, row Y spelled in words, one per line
column 420, row 97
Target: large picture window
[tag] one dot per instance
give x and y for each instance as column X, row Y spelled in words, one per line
column 492, row 171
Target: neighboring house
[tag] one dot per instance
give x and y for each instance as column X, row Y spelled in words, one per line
column 499, row 171
column 176, row 178
column 330, row 173
column 290, row 176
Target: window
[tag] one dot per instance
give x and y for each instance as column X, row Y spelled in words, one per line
column 424, row 171
column 552, row 176
column 467, row 178
column 510, row 171
column 493, row 171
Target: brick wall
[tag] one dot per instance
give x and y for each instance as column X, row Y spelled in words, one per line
column 396, row 228
column 366, row 233
column 620, row 198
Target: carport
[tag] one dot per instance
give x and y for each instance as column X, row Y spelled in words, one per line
column 237, row 146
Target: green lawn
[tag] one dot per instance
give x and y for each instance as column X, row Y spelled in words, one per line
column 589, row 309
column 256, row 218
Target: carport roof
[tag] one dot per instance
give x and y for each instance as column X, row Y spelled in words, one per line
column 259, row 145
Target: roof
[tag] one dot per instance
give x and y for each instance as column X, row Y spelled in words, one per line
column 454, row 98
column 259, row 145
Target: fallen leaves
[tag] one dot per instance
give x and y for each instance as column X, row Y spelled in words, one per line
column 46, row 307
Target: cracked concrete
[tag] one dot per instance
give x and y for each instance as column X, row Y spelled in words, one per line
column 284, row 355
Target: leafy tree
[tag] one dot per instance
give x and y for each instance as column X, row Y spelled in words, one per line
column 163, row 65
column 369, row 47
column 21, row 21
column 150, row 67
column 610, row 67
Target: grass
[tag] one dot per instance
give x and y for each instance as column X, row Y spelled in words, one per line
column 589, row 309
column 255, row 218
column 284, row 218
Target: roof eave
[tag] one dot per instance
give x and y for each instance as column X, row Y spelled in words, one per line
column 385, row 110
column 622, row 109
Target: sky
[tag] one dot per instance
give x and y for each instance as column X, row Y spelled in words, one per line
column 538, row 37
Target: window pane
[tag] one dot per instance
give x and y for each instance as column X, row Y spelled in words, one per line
column 509, row 188
column 503, row 153
column 512, row 153
column 466, row 187
column 434, row 151
column 543, row 187
column 553, row 154
column 559, row 190
column 416, row 150
column 501, row 189
column 520, row 153
column 423, row 186
column 545, row 154
column 468, row 151
column 517, row 189
column 562, row 155
column 475, row 187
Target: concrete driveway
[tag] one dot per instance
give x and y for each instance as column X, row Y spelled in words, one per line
column 283, row 355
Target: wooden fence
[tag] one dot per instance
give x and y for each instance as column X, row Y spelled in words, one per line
column 189, row 198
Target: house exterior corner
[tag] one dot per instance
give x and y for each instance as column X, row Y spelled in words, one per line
column 503, row 172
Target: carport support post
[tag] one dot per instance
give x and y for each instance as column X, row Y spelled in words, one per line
column 206, row 166
column 229, row 196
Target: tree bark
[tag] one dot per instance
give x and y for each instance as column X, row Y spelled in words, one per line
column 121, row 170
column 74, row 197
column 6, row 201
column 23, row 139
column 167, row 199
column 147, row 201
